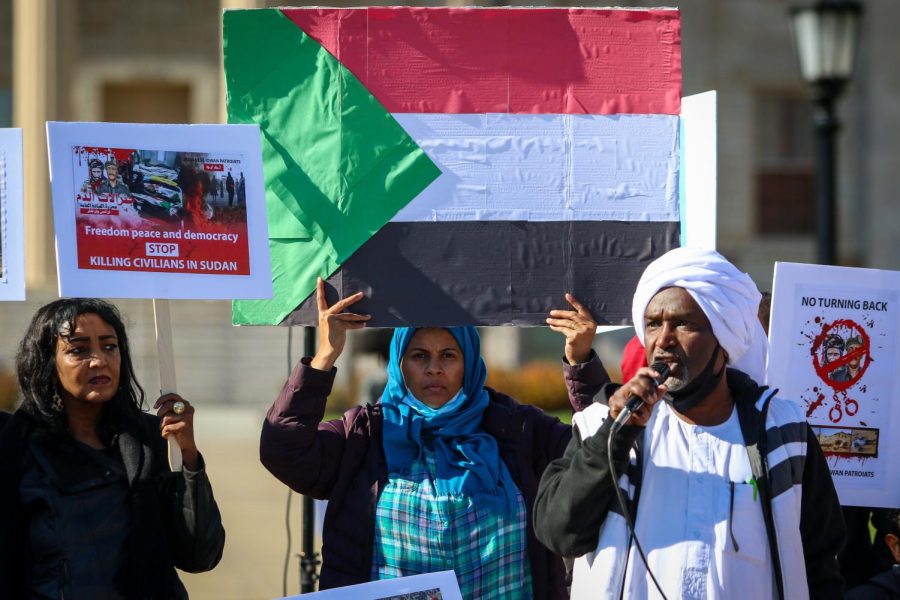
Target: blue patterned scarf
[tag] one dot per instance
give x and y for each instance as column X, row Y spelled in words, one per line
column 468, row 459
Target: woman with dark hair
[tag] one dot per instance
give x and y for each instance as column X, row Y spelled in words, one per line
column 440, row 474
column 90, row 508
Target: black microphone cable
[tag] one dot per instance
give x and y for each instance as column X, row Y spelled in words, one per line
column 634, row 403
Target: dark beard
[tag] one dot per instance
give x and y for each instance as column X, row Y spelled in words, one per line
column 697, row 389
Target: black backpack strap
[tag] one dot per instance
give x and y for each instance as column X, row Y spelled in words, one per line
column 753, row 429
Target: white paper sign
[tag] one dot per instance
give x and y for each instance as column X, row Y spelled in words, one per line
column 159, row 211
column 698, row 183
column 833, row 334
column 431, row 586
column 698, row 170
column 12, row 218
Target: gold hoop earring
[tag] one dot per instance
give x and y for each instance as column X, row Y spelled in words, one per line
column 56, row 402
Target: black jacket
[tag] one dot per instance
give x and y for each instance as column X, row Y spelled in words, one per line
column 576, row 492
column 884, row 586
column 175, row 521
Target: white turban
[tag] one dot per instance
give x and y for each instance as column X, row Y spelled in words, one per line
column 727, row 296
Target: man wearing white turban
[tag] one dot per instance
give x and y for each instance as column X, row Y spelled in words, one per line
column 723, row 485
column 728, row 298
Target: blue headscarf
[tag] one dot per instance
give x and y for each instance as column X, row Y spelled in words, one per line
column 468, row 459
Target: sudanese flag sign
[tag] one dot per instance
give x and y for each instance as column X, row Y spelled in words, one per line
column 460, row 165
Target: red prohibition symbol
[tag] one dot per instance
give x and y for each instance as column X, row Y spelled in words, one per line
column 842, row 366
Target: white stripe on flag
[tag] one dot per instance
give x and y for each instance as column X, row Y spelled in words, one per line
column 546, row 167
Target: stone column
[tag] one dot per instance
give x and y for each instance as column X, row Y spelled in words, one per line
column 34, row 102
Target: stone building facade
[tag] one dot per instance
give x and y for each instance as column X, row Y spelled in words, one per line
column 118, row 60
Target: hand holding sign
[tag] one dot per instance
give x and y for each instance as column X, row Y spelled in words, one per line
column 177, row 424
column 334, row 324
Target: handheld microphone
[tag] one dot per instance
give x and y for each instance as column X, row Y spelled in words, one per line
column 635, row 402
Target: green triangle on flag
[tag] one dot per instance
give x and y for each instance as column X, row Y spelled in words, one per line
column 337, row 165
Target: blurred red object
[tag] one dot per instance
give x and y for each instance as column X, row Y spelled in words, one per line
column 633, row 358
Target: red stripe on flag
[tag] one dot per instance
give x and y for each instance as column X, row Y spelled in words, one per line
column 468, row 60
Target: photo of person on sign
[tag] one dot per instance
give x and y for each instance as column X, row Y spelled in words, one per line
column 113, row 183
column 95, row 179
column 834, row 349
column 841, row 353
column 851, row 370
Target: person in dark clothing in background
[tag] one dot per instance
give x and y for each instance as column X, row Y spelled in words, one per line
column 229, row 187
column 242, row 191
column 884, row 585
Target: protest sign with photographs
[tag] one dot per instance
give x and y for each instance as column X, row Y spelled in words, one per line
column 163, row 211
column 12, row 219
column 429, row 586
column 833, row 348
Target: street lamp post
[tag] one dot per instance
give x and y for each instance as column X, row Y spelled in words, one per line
column 825, row 36
column 309, row 558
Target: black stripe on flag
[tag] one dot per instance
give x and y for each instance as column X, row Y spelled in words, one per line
column 495, row 272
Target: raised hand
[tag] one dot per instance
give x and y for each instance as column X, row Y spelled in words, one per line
column 579, row 328
column 334, row 324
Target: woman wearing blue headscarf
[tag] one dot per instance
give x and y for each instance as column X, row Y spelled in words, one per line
column 440, row 474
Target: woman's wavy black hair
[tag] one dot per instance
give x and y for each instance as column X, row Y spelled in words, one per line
column 36, row 362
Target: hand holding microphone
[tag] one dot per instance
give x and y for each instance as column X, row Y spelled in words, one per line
column 644, row 387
